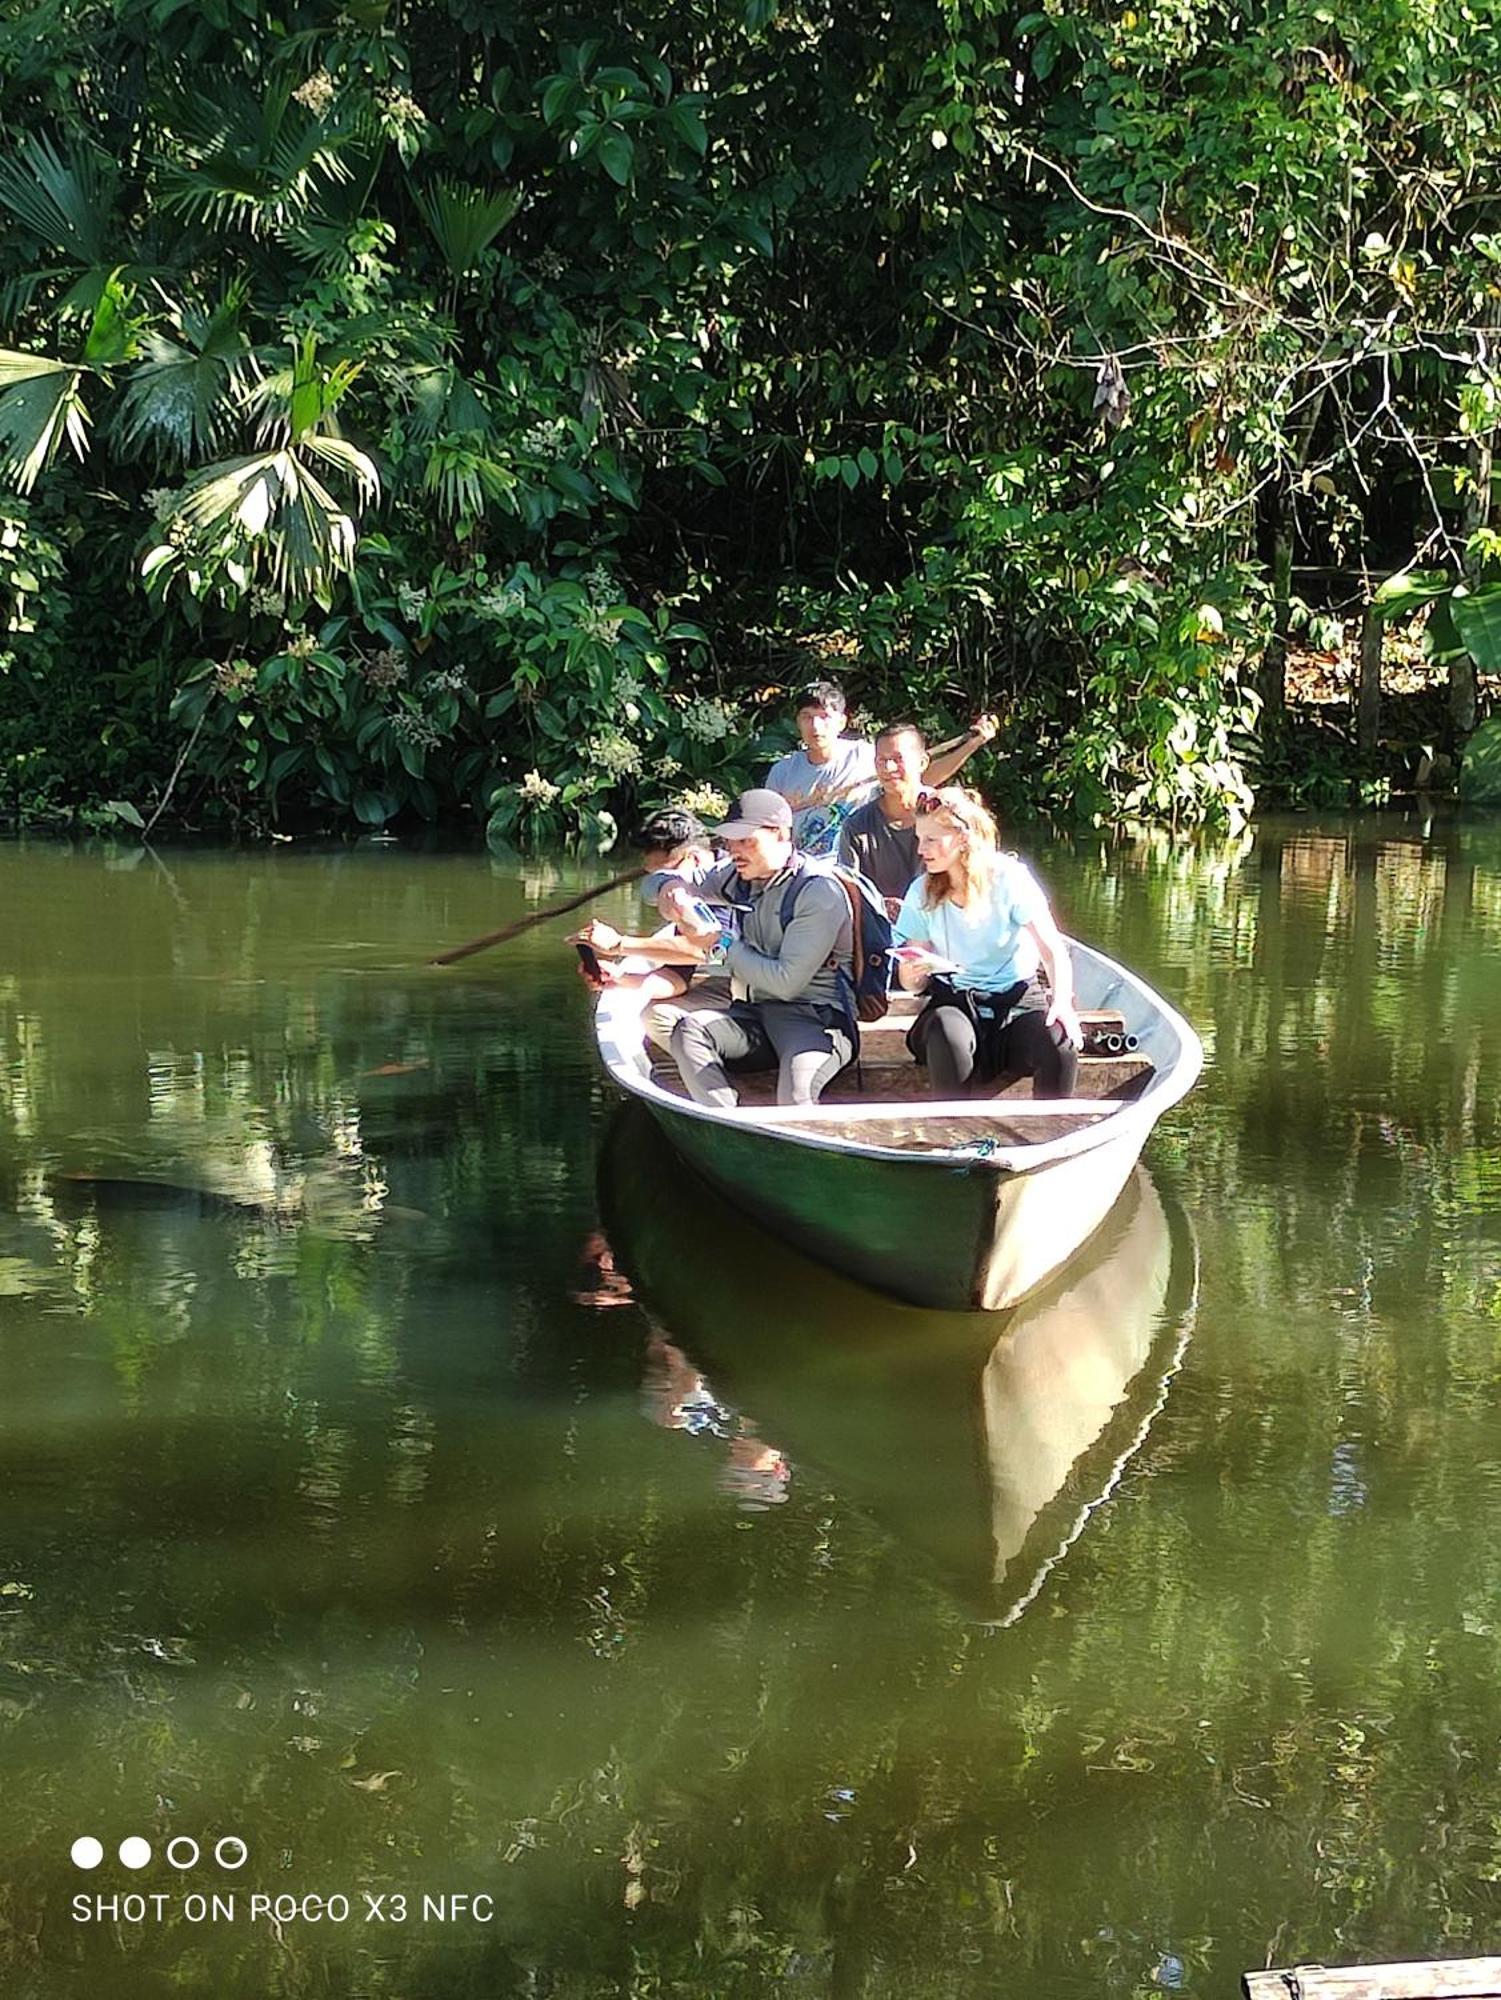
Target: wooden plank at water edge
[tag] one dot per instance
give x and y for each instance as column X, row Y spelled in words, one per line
column 1422, row 1979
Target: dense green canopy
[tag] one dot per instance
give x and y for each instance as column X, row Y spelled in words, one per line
column 442, row 407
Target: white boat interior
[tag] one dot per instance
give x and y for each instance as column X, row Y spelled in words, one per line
column 884, row 1101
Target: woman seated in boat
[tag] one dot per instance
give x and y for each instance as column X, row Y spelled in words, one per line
column 971, row 935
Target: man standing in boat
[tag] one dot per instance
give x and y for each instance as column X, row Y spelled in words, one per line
column 790, row 967
column 833, row 773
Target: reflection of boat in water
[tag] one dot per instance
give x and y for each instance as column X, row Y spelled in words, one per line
column 984, row 1441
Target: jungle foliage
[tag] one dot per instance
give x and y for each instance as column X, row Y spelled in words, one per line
column 418, row 410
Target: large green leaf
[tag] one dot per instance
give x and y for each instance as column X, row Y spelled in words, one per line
column 180, row 401
column 1477, row 619
column 296, row 399
column 113, row 328
column 1480, row 774
column 1409, row 590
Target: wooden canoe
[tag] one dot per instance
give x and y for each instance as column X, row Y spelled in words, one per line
column 963, row 1206
column 982, row 1442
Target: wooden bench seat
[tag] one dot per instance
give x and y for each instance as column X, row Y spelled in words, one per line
column 898, row 1079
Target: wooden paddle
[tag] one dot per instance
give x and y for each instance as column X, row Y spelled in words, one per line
column 537, row 917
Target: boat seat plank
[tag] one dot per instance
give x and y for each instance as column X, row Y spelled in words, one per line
column 1420, row 1979
column 1023, row 1109
column 884, row 1078
column 977, row 1131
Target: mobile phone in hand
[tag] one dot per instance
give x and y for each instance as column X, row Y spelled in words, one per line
column 920, row 955
column 589, row 959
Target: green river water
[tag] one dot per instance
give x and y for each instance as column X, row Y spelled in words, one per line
column 422, row 1486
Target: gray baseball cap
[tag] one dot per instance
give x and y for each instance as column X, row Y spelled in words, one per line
column 755, row 811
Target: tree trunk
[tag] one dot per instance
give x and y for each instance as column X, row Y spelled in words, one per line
column 1368, row 708
column 1274, row 660
column 1477, row 515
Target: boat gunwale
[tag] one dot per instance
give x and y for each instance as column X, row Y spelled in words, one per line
column 1165, row 1087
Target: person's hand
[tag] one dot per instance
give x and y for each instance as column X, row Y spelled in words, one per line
column 1062, row 1014
column 917, row 952
column 608, row 975
column 916, row 962
column 985, row 727
column 602, row 936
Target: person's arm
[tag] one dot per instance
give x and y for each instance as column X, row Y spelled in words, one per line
column 807, row 944
column 944, row 764
column 662, row 947
column 910, row 926
column 689, row 910
column 1053, row 948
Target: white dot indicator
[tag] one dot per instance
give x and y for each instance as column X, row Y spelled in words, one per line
column 182, row 1851
column 231, row 1851
column 87, row 1852
column 135, row 1852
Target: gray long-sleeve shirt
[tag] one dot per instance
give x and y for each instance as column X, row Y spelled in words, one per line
column 804, row 961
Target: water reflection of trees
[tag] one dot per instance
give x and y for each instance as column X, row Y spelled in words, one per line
column 305, row 1508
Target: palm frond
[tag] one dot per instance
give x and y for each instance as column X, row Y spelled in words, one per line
column 463, row 478
column 465, row 221
column 271, row 512
column 262, row 166
column 180, row 402
column 64, row 198
column 328, row 239
column 302, row 395
column 323, row 243
column 356, row 465
column 40, row 406
column 442, row 400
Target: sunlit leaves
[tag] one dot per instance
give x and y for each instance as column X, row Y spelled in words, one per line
column 272, row 514
column 41, row 406
column 181, row 400
column 303, row 393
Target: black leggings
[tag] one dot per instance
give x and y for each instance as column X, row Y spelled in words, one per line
column 957, row 1049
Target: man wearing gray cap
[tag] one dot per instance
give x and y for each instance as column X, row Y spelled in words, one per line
column 790, row 966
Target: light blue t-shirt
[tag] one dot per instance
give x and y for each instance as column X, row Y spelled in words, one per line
column 988, row 941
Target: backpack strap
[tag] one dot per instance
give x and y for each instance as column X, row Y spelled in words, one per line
column 855, row 901
column 848, row 977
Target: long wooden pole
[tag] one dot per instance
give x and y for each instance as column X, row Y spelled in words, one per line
column 537, row 917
